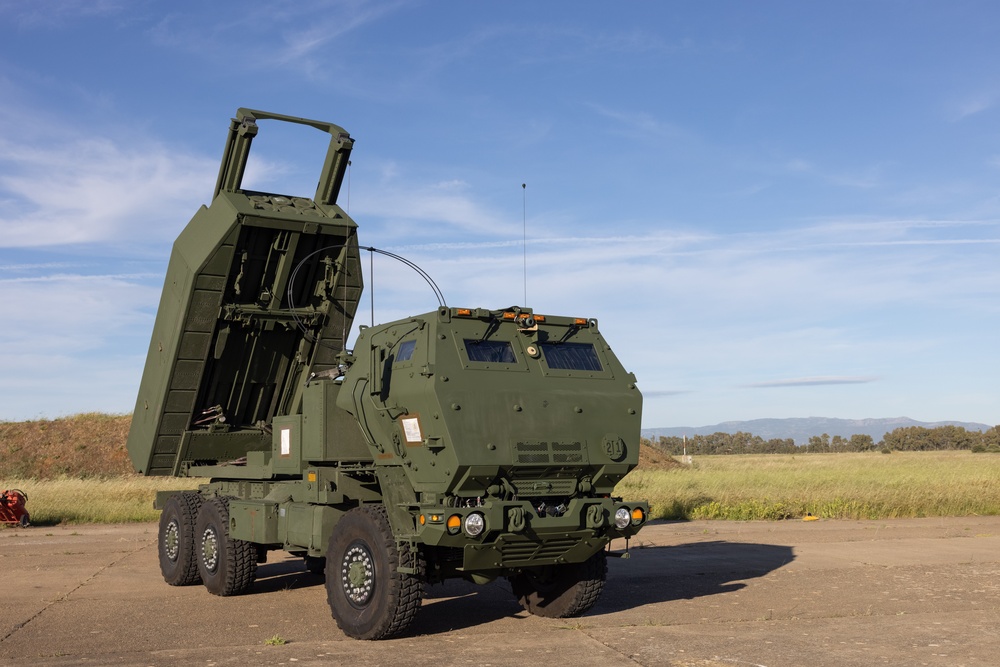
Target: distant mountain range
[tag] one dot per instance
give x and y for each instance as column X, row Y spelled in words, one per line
column 802, row 428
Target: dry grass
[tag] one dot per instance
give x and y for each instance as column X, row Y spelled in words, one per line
column 94, row 500
column 76, row 470
column 845, row 486
column 88, row 445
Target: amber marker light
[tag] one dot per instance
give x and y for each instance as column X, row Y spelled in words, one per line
column 463, row 311
column 638, row 516
column 454, row 523
column 423, row 520
column 581, row 321
column 509, row 315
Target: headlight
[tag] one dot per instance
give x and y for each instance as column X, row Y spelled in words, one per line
column 474, row 524
column 623, row 517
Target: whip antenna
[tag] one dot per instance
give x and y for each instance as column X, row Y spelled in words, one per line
column 524, row 239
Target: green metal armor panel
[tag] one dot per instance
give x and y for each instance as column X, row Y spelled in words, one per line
column 465, row 398
column 260, row 293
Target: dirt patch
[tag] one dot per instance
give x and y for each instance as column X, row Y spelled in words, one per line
column 651, row 458
column 87, row 445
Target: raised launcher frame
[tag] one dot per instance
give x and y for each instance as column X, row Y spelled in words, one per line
column 244, row 318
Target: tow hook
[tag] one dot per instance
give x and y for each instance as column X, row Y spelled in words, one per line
column 619, row 554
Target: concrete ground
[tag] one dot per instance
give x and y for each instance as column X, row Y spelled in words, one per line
column 898, row 592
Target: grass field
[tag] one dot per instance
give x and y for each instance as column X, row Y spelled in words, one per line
column 75, row 470
column 753, row 487
column 69, row 500
column 836, row 486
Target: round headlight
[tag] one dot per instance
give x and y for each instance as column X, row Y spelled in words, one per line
column 623, row 517
column 474, row 524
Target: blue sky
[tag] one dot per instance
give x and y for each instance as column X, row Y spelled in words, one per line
column 775, row 209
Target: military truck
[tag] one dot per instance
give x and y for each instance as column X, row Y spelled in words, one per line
column 462, row 442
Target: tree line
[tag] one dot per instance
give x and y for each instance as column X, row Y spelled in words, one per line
column 904, row 439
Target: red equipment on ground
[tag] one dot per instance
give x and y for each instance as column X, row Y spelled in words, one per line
column 12, row 509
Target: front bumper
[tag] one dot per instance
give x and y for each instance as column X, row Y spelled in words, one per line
column 515, row 535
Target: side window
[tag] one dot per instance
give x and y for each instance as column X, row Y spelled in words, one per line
column 571, row 356
column 405, row 350
column 491, row 351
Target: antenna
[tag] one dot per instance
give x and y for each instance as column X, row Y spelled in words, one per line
column 348, row 187
column 524, row 238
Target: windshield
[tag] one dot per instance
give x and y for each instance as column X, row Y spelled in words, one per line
column 571, row 356
column 492, row 351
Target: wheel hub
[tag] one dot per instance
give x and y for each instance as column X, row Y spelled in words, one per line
column 172, row 540
column 210, row 549
column 357, row 575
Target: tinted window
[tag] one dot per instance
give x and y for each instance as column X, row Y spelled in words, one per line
column 405, row 351
column 493, row 351
column 571, row 356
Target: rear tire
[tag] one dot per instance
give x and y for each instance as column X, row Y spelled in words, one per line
column 175, row 542
column 561, row 591
column 227, row 566
column 369, row 598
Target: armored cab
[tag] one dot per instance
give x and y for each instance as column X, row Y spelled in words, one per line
column 462, row 442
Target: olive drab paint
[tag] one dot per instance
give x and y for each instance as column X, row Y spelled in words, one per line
column 463, row 442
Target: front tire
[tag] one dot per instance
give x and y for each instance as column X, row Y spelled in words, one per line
column 562, row 591
column 175, row 541
column 368, row 596
column 227, row 566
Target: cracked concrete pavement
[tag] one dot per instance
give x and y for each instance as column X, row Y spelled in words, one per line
column 695, row 594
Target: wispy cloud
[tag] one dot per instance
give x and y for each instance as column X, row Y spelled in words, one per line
column 47, row 14
column 813, row 381
column 973, row 104
column 640, row 124
column 452, row 202
column 88, row 357
column 63, row 190
column 276, row 35
column 661, row 393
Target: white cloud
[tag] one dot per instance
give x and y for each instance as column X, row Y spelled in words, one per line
column 448, row 202
column 73, row 343
column 63, row 190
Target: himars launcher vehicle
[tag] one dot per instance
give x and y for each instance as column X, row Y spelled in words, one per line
column 462, row 442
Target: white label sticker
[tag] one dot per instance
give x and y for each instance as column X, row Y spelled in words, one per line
column 411, row 429
column 286, row 442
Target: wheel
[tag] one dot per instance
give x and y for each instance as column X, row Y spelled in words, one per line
column 227, row 566
column 176, row 539
column 315, row 565
column 24, row 521
column 369, row 598
column 559, row 591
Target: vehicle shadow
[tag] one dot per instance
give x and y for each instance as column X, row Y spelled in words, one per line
column 650, row 575
column 287, row 574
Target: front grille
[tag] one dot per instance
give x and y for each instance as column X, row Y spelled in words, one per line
column 542, row 452
column 514, row 554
